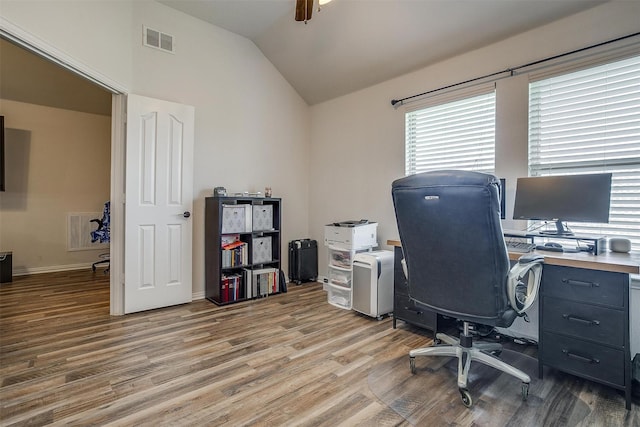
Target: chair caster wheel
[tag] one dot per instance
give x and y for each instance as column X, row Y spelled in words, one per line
column 525, row 391
column 466, row 398
column 412, row 364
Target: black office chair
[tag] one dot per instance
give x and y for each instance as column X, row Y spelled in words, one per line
column 457, row 263
column 102, row 234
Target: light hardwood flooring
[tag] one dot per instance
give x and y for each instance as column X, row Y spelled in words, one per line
column 289, row 359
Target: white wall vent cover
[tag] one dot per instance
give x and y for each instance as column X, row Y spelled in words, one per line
column 79, row 228
column 156, row 39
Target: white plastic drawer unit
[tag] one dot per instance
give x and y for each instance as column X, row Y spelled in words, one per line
column 341, row 258
column 339, row 297
column 356, row 237
column 340, row 276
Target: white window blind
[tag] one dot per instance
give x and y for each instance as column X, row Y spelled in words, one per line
column 586, row 122
column 453, row 135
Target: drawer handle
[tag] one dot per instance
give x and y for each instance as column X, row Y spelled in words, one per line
column 580, row 283
column 413, row 310
column 580, row 358
column 577, row 319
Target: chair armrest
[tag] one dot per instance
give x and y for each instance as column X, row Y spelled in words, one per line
column 525, row 259
column 521, row 295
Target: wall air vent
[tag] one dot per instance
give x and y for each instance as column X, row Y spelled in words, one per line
column 79, row 228
column 158, row 40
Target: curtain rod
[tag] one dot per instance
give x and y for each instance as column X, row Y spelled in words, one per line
column 512, row 70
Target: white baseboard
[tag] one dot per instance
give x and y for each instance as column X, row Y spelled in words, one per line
column 50, row 269
column 197, row 295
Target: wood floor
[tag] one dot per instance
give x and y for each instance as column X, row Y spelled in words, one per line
column 289, row 359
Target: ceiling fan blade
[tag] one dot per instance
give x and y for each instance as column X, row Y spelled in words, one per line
column 304, row 8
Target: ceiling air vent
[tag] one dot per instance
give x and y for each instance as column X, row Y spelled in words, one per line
column 157, row 40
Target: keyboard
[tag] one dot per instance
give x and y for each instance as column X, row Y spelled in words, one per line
column 522, row 247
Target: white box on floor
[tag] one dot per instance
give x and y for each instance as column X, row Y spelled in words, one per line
column 373, row 283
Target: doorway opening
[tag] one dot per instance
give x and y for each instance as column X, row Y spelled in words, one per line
column 92, row 106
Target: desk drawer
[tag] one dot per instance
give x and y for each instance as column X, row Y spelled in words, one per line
column 599, row 324
column 405, row 309
column 588, row 360
column 579, row 284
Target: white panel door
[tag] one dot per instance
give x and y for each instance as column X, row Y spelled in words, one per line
column 158, row 203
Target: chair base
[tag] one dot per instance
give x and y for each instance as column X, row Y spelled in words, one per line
column 478, row 351
column 97, row 263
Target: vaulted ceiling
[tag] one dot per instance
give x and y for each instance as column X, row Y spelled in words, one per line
column 347, row 46
column 353, row 44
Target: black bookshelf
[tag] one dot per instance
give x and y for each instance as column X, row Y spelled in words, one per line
column 242, row 248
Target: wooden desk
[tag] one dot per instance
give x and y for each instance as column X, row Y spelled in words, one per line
column 609, row 261
column 583, row 310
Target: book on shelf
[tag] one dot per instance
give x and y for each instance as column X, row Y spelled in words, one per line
column 264, row 281
column 235, row 254
column 226, row 239
column 248, row 287
column 233, row 245
column 231, row 287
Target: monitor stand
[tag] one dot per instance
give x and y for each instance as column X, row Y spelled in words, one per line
column 561, row 230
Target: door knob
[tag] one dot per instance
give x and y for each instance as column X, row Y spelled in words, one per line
column 186, row 214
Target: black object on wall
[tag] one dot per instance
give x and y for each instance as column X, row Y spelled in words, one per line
column 2, row 184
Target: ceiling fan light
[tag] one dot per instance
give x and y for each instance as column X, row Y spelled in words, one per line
column 323, row 2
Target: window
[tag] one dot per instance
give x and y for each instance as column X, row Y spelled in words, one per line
column 586, row 122
column 454, row 135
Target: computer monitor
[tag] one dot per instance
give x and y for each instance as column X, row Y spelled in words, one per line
column 579, row 198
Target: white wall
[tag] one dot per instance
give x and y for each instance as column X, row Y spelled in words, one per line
column 252, row 129
column 357, row 141
column 58, row 163
column 95, row 35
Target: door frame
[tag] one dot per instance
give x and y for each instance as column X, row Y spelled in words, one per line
column 117, row 234
column 41, row 48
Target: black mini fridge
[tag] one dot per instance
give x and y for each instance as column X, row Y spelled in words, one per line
column 303, row 261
